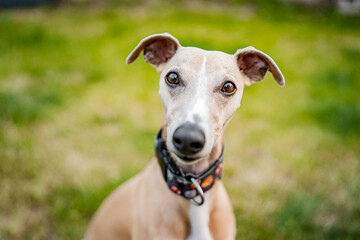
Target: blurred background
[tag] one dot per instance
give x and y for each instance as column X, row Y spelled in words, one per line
column 76, row 122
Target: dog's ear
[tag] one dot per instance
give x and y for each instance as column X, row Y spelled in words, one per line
column 253, row 64
column 158, row 49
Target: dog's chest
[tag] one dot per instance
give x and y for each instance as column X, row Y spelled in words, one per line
column 199, row 220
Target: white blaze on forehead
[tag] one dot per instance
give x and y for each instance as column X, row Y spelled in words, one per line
column 198, row 105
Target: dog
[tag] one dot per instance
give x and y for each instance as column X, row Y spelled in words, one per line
column 179, row 195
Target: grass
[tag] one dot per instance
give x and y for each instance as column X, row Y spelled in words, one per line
column 76, row 122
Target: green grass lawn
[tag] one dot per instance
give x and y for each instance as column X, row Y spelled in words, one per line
column 76, row 122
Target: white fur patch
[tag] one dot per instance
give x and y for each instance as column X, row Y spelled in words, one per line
column 199, row 106
column 199, row 219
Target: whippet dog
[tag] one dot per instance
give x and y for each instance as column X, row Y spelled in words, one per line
column 179, row 194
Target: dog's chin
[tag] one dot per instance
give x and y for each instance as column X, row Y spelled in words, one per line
column 186, row 160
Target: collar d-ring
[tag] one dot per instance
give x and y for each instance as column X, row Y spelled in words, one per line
column 200, row 191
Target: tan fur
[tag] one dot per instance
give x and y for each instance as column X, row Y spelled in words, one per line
column 144, row 208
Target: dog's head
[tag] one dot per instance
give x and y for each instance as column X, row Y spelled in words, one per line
column 200, row 91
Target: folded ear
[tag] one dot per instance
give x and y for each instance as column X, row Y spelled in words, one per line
column 158, row 49
column 254, row 64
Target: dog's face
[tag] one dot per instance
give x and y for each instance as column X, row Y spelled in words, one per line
column 200, row 91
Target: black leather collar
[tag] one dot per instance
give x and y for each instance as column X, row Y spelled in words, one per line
column 188, row 185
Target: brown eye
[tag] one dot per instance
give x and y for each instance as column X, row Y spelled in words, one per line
column 172, row 78
column 228, row 88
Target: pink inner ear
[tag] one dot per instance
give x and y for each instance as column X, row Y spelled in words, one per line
column 159, row 51
column 253, row 66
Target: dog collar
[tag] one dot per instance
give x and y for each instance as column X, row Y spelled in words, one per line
column 187, row 185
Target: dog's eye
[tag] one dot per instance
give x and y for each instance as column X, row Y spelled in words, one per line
column 228, row 88
column 172, row 78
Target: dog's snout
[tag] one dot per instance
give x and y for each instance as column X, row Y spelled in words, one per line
column 189, row 139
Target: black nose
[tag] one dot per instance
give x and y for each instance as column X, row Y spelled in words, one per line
column 189, row 139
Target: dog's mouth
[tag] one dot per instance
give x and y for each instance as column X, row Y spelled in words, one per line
column 186, row 159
